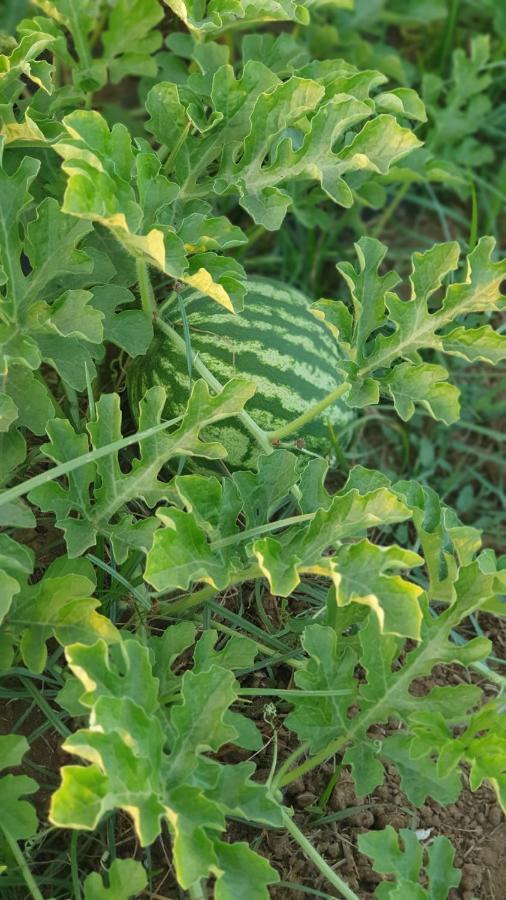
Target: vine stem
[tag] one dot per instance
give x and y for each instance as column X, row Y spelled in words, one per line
column 183, row 604
column 312, row 854
column 387, row 214
column 23, row 865
column 74, row 866
column 251, row 533
column 19, row 490
column 173, row 154
column 145, row 287
column 310, row 413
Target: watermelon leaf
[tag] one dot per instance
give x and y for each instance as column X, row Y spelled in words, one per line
column 327, row 727
column 110, row 184
column 23, row 62
column 408, row 863
column 223, row 14
column 309, row 127
column 129, row 39
column 481, row 744
column 43, row 322
column 126, row 878
column 98, row 492
column 151, row 761
column 457, row 108
column 202, row 542
column 19, row 819
column 59, row 606
column 384, row 337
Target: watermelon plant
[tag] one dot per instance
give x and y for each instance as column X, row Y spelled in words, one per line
column 174, row 426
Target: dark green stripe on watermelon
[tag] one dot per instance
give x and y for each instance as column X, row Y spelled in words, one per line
column 276, row 341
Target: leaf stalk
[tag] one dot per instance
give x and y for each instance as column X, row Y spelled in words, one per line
column 310, row 414
column 22, row 864
column 317, row 860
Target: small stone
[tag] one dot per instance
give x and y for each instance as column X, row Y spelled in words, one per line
column 489, row 857
column 495, row 816
column 381, row 820
column 334, row 802
column 279, row 845
column 471, row 875
column 363, row 820
column 296, row 787
column 472, row 869
column 306, row 798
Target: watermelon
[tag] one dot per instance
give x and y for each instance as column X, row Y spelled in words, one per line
column 276, row 341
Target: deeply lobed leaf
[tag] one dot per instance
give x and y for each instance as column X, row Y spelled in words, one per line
column 96, row 499
column 201, row 541
column 152, row 762
column 383, row 336
column 420, row 751
column 407, row 864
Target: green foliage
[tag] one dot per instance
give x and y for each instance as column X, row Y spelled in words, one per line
column 83, row 515
column 129, row 37
column 481, row 744
column 407, row 864
column 41, row 322
column 200, row 541
column 59, row 606
column 126, row 878
column 222, row 14
column 19, row 819
column 386, row 693
column 459, row 110
column 150, row 152
column 382, row 336
column 150, row 760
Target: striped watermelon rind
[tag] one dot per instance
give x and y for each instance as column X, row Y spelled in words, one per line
column 276, row 341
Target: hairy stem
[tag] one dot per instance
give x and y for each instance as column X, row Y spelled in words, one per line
column 387, row 213
column 173, row 154
column 74, row 865
column 145, row 287
column 19, row 490
column 317, row 860
column 310, row 413
column 22, row 864
column 261, row 529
